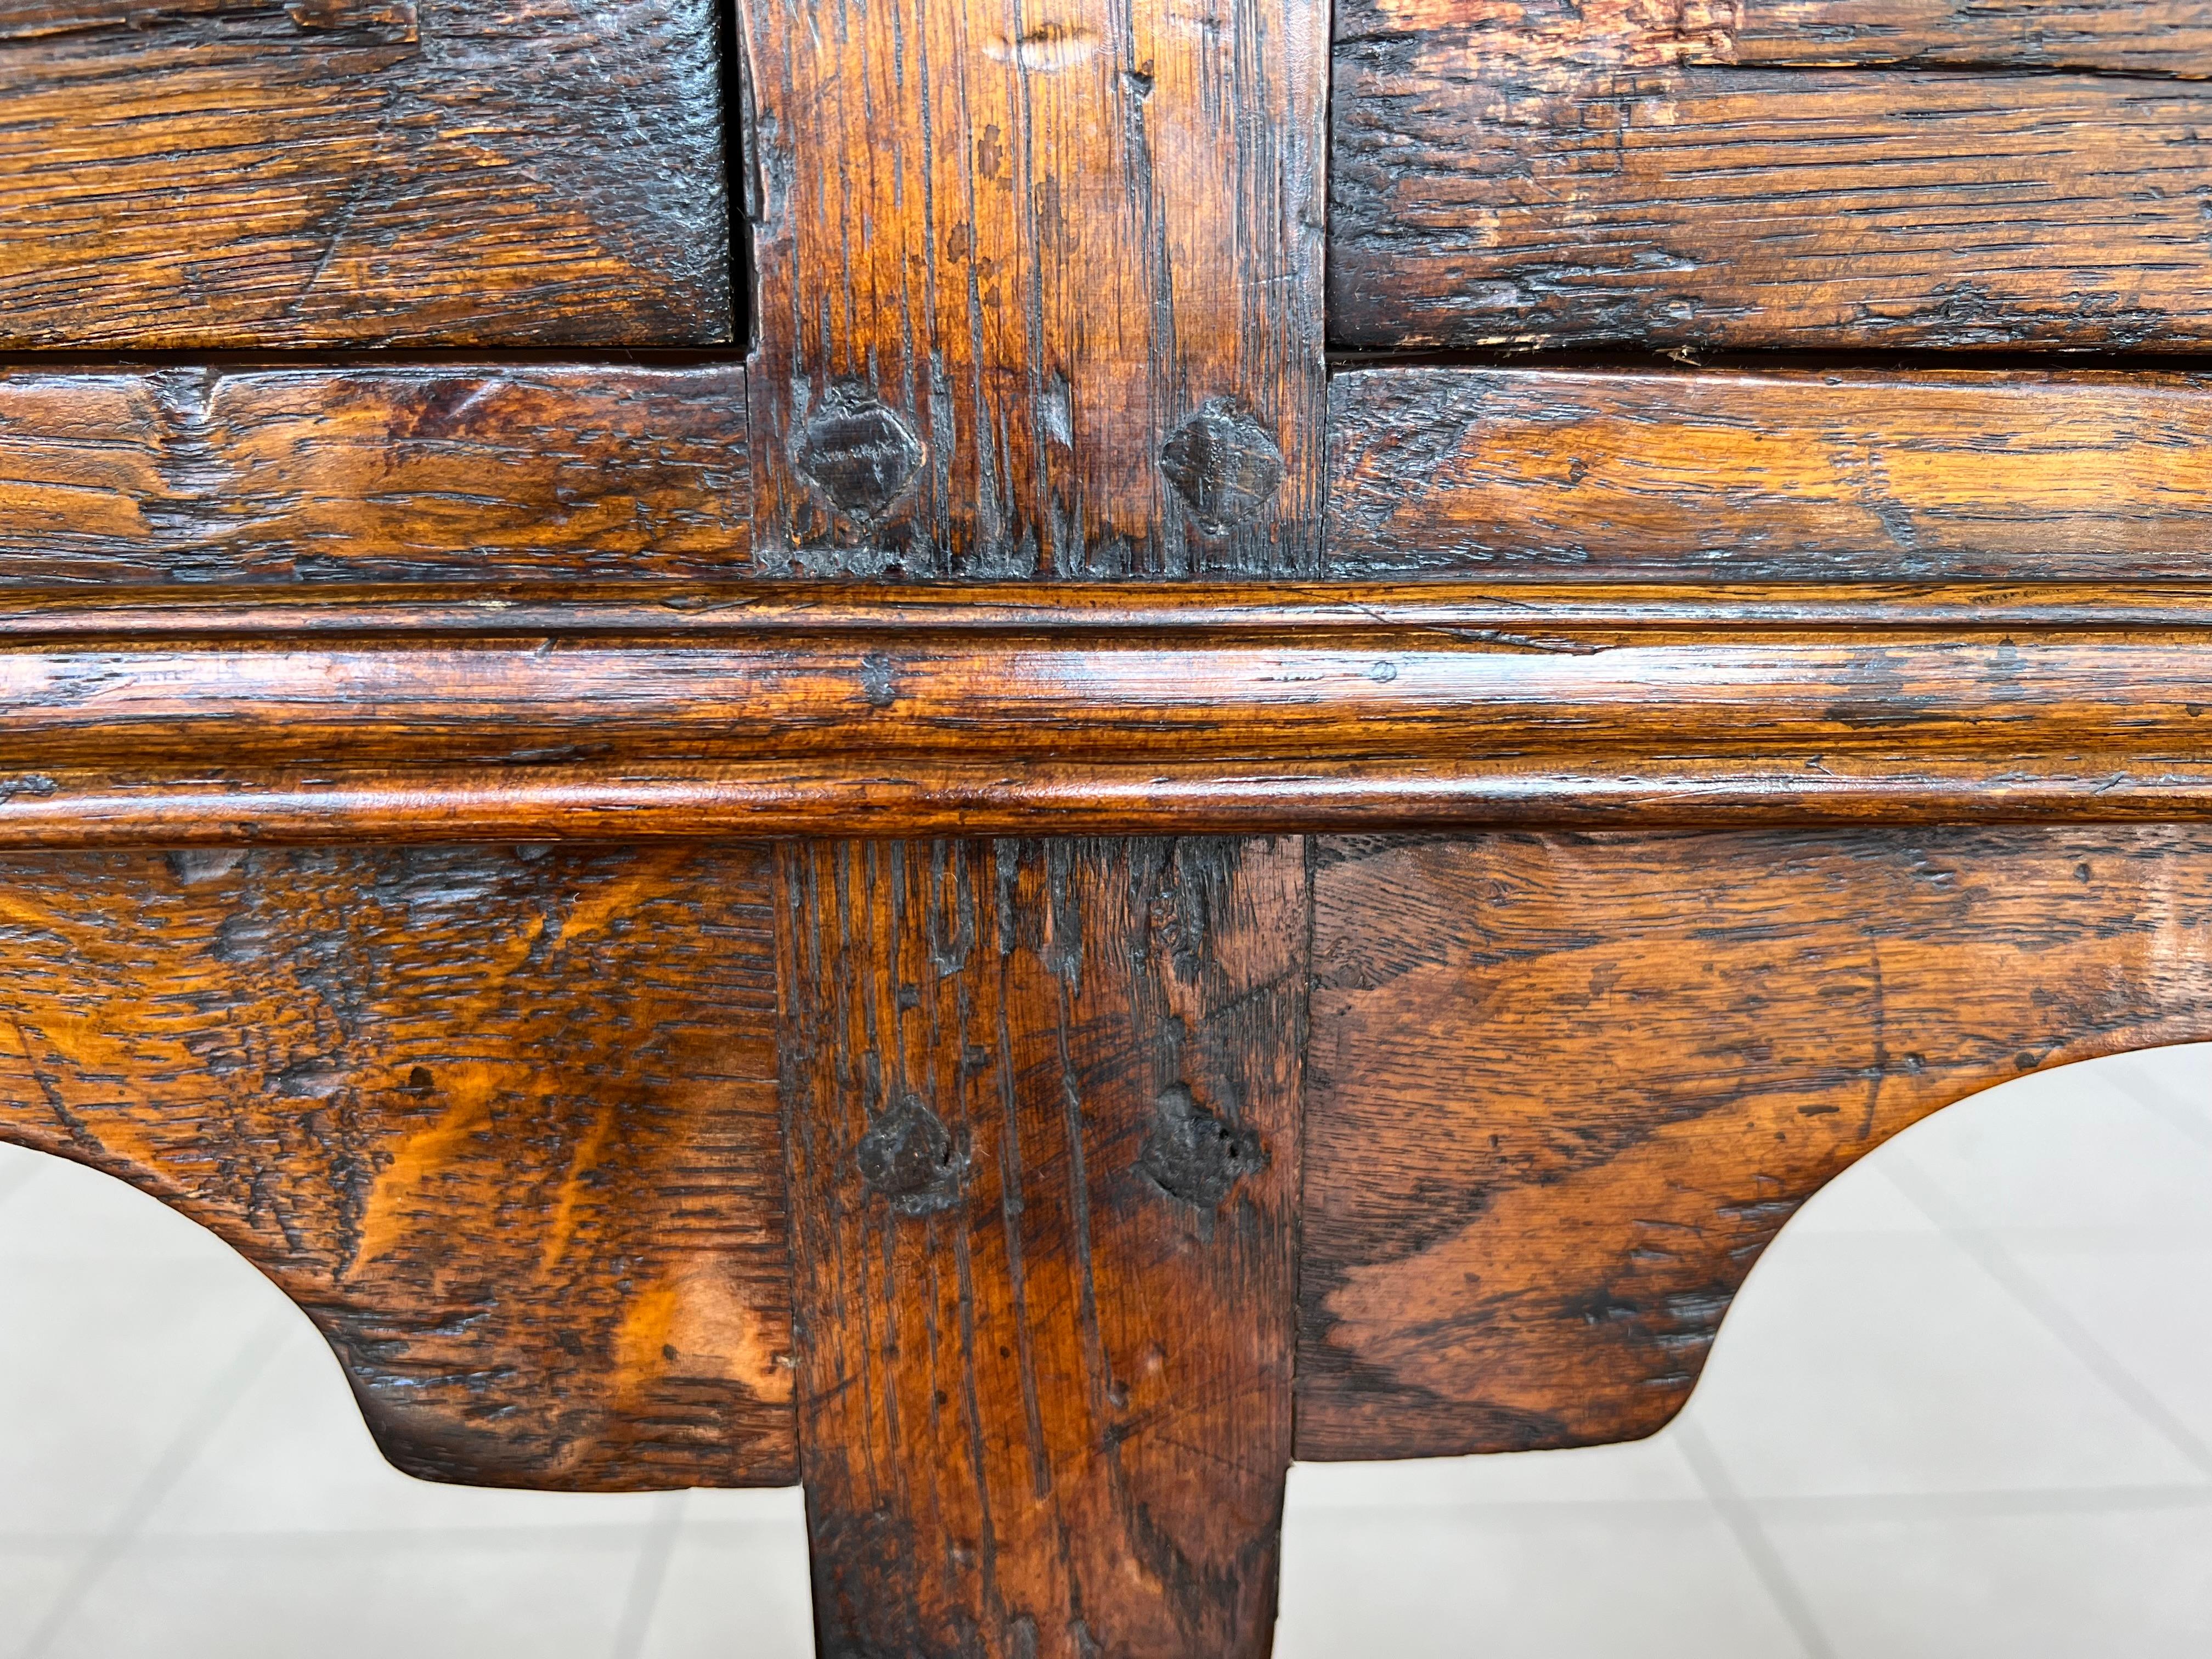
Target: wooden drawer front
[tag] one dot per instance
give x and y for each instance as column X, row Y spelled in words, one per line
column 1830, row 173
column 449, row 471
column 1771, row 476
column 349, row 172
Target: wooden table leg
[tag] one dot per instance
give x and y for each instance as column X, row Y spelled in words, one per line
column 1043, row 1104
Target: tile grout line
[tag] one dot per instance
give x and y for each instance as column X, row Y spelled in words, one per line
column 2094, row 1241
column 2155, row 1097
column 654, row 1553
column 1742, row 1522
column 1982, row 1504
column 214, row 1407
column 1883, row 1505
column 320, row 1540
column 1993, row 1260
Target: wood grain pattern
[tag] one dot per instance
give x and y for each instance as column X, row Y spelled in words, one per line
column 2133, row 37
column 164, row 719
column 1843, row 475
column 486, row 472
column 1567, row 1087
column 1043, row 1130
column 395, row 22
column 1536, row 174
column 348, row 172
column 503, row 1121
column 1039, row 288
column 1054, row 311
column 863, row 696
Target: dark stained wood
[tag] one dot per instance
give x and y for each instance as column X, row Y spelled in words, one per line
column 1090, row 616
column 2134, row 37
column 1039, row 293
column 543, row 713
column 486, row 472
column 1838, row 476
column 1535, row 175
column 354, row 172
column 1008, row 1266
column 1053, row 310
column 860, row 697
column 1043, row 1130
column 702, row 801
column 390, row 22
column 1566, row 1088
column 503, row 1121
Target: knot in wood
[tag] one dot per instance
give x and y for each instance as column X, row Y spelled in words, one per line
column 1192, row 1155
column 1223, row 464
column 857, row 451
column 909, row 1157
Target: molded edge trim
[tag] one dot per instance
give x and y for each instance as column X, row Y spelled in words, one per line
column 609, row 714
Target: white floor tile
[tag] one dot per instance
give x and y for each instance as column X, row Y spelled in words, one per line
column 2038, row 1586
column 2064, row 1150
column 30, row 1582
column 1643, row 1471
column 735, row 1590
column 1889, row 1364
column 295, row 1456
column 547, row 1594
column 1573, row 1583
column 2176, row 1083
column 2149, row 1309
column 105, row 1363
column 66, row 1212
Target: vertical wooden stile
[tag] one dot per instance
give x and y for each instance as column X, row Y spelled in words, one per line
column 1039, row 296
column 1039, row 286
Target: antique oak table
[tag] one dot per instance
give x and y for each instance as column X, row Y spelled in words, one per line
column 1013, row 755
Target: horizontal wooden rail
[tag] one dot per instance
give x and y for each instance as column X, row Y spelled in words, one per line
column 1835, row 475
column 485, row 469
column 1508, row 607
column 712, row 712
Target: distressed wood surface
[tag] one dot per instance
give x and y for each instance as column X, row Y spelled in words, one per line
column 496, row 471
column 1043, row 1129
column 165, row 719
column 1039, row 289
column 1844, row 475
column 2133, row 37
column 362, row 172
column 503, row 1121
column 395, row 22
column 1038, row 295
column 482, row 473
column 1532, row 173
column 863, row 696
column 1567, row 1087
